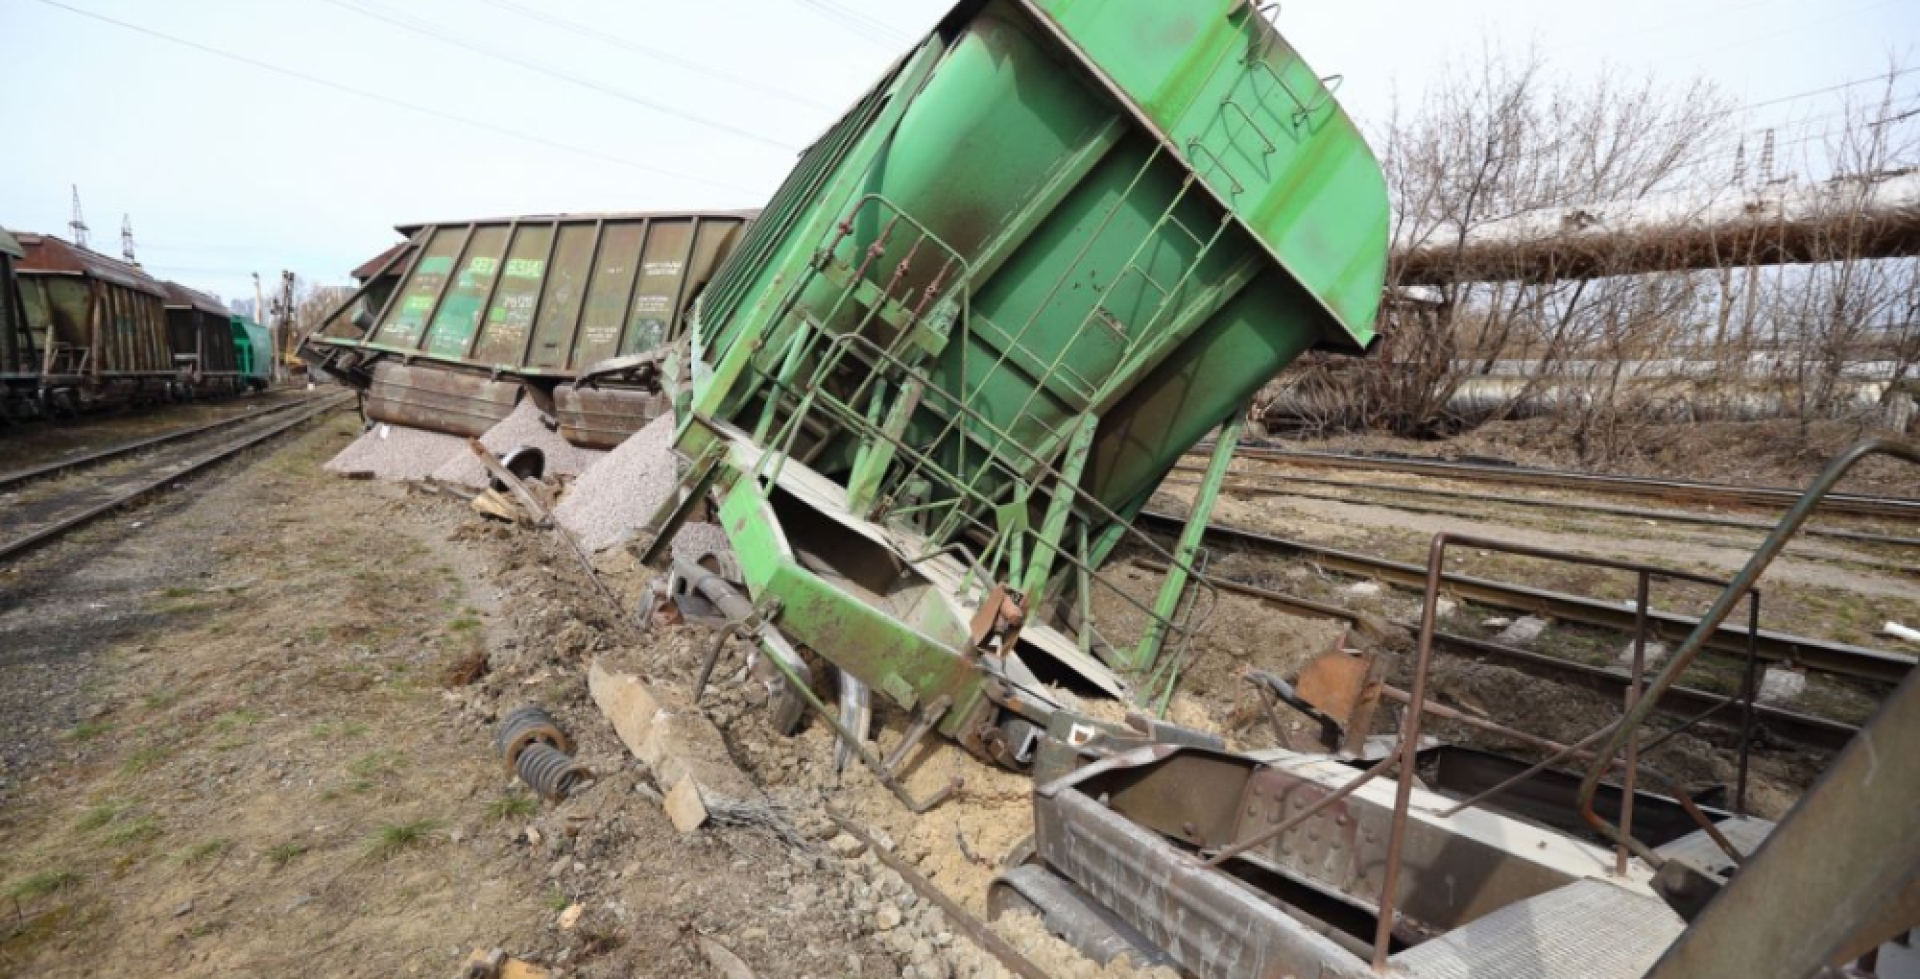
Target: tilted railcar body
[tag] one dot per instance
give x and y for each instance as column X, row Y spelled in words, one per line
column 98, row 324
column 569, row 309
column 984, row 316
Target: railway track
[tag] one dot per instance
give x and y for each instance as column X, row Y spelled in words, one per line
column 1842, row 659
column 11, row 480
column 1277, row 485
column 1684, row 491
column 1803, row 729
column 31, row 522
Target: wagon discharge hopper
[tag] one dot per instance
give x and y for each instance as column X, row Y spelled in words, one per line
column 568, row 309
column 1054, row 247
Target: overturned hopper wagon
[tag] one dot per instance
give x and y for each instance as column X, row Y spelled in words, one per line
column 98, row 324
column 1053, row 248
column 570, row 310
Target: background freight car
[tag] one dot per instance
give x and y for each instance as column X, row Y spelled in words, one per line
column 19, row 361
column 99, row 323
column 200, row 330
column 253, row 352
column 488, row 309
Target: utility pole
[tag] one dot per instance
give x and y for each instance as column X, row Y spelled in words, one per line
column 79, row 224
column 259, row 302
column 283, row 325
column 126, row 239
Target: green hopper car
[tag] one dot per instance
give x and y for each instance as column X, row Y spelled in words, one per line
column 964, row 343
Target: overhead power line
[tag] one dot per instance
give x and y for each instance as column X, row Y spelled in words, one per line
column 855, row 23
column 428, row 30
column 388, row 99
column 646, row 51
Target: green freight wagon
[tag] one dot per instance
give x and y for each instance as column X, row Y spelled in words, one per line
column 253, row 353
column 1057, row 245
column 571, row 310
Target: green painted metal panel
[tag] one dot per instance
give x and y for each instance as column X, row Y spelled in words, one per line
column 458, row 318
column 1258, row 125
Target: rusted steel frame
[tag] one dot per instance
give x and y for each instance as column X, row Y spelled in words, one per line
column 1577, row 749
column 1641, row 598
column 1272, row 833
column 1409, row 751
column 1674, row 489
column 1829, row 657
column 1723, row 607
column 493, row 289
column 1823, row 884
column 440, row 295
column 1645, row 573
column 1816, row 732
column 973, row 927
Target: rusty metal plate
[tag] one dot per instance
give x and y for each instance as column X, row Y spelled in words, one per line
column 1213, row 925
column 439, row 400
column 1336, row 683
column 604, row 417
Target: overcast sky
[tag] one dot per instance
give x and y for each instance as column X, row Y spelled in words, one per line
column 349, row 116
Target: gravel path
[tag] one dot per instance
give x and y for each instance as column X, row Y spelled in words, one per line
column 523, row 427
column 623, row 489
column 398, row 453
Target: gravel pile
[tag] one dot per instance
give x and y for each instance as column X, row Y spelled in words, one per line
column 395, row 452
column 623, row 489
column 523, row 427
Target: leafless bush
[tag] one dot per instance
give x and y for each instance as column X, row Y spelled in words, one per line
column 1611, row 346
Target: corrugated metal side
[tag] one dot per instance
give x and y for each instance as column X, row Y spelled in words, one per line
column 104, row 318
column 549, row 296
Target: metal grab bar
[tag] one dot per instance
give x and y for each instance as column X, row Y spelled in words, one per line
column 1739, row 588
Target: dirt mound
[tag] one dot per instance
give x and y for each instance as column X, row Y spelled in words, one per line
column 397, row 453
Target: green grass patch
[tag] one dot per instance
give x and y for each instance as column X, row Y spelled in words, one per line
column 130, row 831
column 335, row 730
column 465, row 623
column 89, row 731
column 101, row 814
column 557, row 900
column 514, row 806
column 42, row 884
column 374, row 764
column 144, row 759
column 160, row 700
column 285, row 853
column 203, row 852
column 394, row 839
column 235, row 720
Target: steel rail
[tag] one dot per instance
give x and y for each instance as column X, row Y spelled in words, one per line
column 1802, row 729
column 43, row 535
column 1829, row 657
column 1673, row 489
column 12, row 479
column 1274, row 484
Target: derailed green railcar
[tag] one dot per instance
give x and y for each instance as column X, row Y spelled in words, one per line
column 985, row 315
